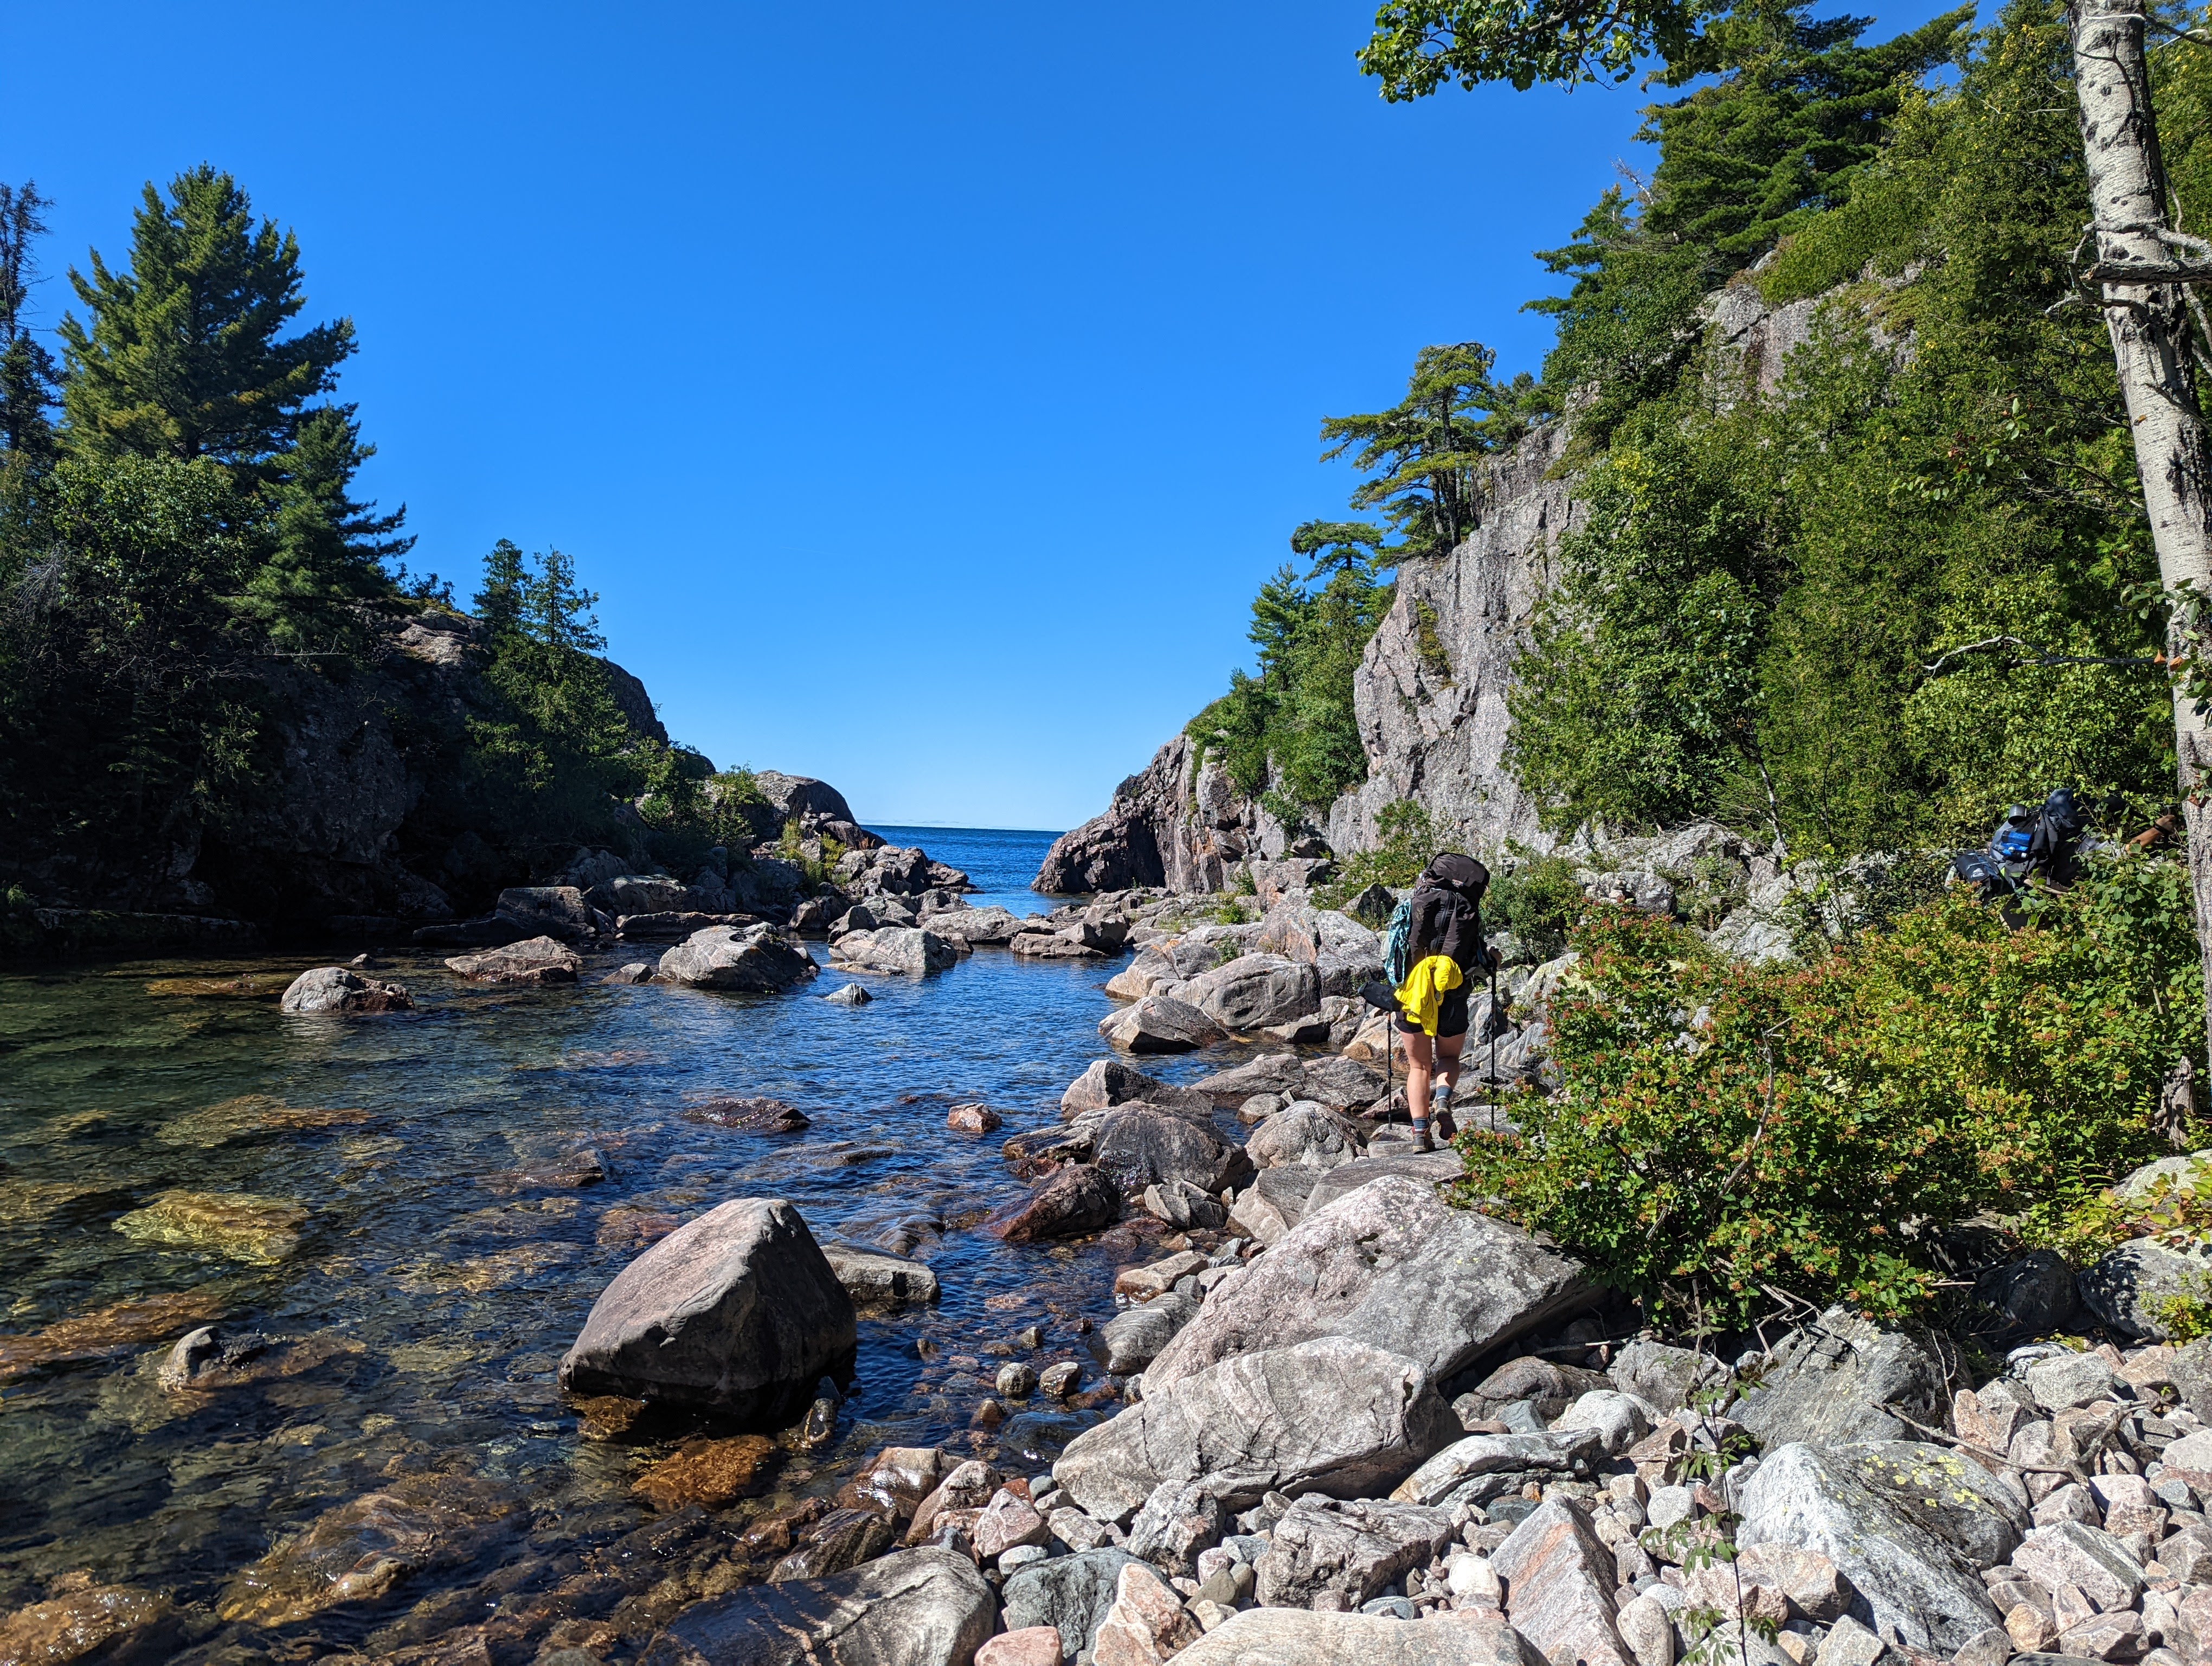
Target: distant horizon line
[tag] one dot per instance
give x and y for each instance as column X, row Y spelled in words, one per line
column 967, row 827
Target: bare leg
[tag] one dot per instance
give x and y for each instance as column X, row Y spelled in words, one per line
column 1418, row 1058
column 1448, row 1048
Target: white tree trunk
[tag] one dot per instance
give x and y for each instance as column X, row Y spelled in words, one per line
column 2149, row 326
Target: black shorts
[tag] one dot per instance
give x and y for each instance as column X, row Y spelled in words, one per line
column 1451, row 1016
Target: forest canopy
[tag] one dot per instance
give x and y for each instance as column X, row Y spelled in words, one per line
column 1863, row 604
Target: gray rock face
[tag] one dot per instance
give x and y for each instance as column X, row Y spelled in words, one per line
column 748, row 958
column 1426, row 1169
column 340, row 989
column 1481, row 1468
column 548, row 911
column 1069, row 1593
column 894, row 949
column 1663, row 1376
column 1953, row 1497
column 1341, row 1083
column 1916, row 1587
column 1159, row 1023
column 738, row 1311
column 1180, row 1519
column 1391, row 1266
column 536, row 960
column 1305, row 1134
column 1167, row 825
column 974, row 925
column 1830, row 1382
column 1139, row 1145
column 914, row 1607
column 1133, row 1338
column 1255, row 989
column 1331, row 1416
column 1353, row 1549
column 1183, row 1206
column 1274, row 1203
column 2126, row 1288
column 1300, row 1636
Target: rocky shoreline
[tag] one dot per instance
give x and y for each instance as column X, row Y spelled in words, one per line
column 1331, row 1417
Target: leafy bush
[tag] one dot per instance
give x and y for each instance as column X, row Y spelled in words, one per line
column 1730, row 1135
column 1537, row 898
column 1410, row 840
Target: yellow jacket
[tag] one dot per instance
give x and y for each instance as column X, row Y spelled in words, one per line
column 1423, row 992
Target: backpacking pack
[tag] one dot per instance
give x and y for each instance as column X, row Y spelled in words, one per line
column 1398, row 943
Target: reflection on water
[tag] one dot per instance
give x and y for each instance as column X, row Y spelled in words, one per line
column 415, row 1213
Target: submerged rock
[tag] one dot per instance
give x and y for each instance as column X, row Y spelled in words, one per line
column 109, row 1331
column 112, row 1625
column 258, row 1231
column 737, row 1313
column 915, row 1608
column 536, row 960
column 754, row 1116
column 364, row 1549
column 712, row 1474
column 340, row 989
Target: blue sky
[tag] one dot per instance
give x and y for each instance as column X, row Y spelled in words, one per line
column 925, row 389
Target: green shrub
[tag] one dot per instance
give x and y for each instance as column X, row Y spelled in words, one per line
column 1728, row 1135
column 1537, row 898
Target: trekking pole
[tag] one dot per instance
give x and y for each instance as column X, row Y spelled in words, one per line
column 1492, row 1027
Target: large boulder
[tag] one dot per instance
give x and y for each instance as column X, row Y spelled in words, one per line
column 1393, row 1266
column 1280, row 1074
column 1305, row 1134
column 927, row 1606
column 2131, row 1288
column 1255, row 989
column 737, row 1313
column 1559, row 1580
column 1481, row 1468
column 880, row 1283
column 974, row 925
column 1300, row 1637
column 1330, row 1416
column 1834, row 1380
column 1074, row 1199
column 1351, row 1549
column 1916, row 1587
column 1344, row 952
column 1139, row 1146
column 1341, row 1084
column 756, row 958
column 1954, row 1498
column 1431, row 1168
column 536, row 960
column 1159, row 1023
column 340, row 989
column 1108, row 1082
column 893, row 949
column 548, row 910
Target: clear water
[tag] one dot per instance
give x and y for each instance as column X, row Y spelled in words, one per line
column 437, row 1280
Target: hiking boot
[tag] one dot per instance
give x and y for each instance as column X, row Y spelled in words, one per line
column 1421, row 1140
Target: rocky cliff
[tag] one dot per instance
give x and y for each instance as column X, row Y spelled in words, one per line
column 361, row 821
column 1431, row 686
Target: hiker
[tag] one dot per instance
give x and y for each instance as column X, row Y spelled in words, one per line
column 1442, row 951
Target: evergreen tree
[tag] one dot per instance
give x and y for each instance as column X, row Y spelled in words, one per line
column 556, row 610
column 328, row 547
column 499, row 603
column 27, row 369
column 183, row 355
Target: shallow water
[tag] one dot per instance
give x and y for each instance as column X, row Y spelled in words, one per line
column 447, row 1257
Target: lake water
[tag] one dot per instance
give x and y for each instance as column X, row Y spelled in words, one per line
column 445, row 1258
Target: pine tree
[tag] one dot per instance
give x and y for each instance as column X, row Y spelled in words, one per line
column 499, row 603
column 556, row 611
column 27, row 369
column 328, row 548
column 183, row 355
